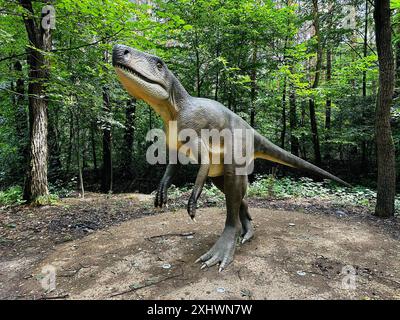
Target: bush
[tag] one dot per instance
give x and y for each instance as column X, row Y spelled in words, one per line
column 285, row 188
column 12, row 195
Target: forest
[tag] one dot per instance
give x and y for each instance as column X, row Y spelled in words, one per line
column 303, row 73
column 318, row 78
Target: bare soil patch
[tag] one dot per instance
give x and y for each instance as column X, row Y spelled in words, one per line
column 119, row 247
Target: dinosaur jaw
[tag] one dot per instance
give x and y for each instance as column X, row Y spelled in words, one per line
column 141, row 86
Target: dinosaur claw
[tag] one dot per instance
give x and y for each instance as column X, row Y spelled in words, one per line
column 198, row 260
column 221, row 269
column 203, row 266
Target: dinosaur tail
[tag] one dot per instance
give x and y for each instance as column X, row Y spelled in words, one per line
column 265, row 149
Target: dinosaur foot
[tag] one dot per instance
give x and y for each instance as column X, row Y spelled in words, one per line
column 161, row 196
column 247, row 231
column 222, row 251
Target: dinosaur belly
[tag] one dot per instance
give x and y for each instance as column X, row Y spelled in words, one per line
column 216, row 170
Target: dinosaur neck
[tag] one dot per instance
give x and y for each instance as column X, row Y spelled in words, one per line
column 178, row 100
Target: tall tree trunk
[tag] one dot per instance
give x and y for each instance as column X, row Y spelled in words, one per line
column 93, row 129
column 253, row 94
column 302, row 125
column 106, row 184
column 397, row 74
column 21, row 120
column 364, row 158
column 36, row 184
column 294, row 141
column 328, row 106
column 129, row 138
column 198, row 65
column 283, row 131
column 78, row 152
column 55, row 165
column 313, row 118
column 384, row 141
column 218, row 49
column 70, row 142
column 107, row 176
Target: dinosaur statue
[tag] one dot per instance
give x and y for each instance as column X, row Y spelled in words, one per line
column 147, row 77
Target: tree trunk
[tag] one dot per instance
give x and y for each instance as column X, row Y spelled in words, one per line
column 294, row 141
column 328, row 107
column 21, row 120
column 397, row 74
column 71, row 135
column 36, row 184
column 364, row 158
column 384, row 141
column 106, row 185
column 283, row 131
column 78, row 151
column 55, row 164
column 129, row 138
column 93, row 129
column 253, row 93
column 313, row 118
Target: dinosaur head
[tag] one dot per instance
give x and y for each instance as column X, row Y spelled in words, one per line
column 143, row 75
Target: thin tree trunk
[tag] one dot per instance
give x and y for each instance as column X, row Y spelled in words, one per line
column 129, row 137
column 107, row 177
column 313, row 118
column 253, row 93
column 218, row 71
column 364, row 158
column 294, row 141
column 93, row 142
column 21, row 119
column 328, row 107
column 302, row 124
column 384, row 140
column 71, row 135
column 198, row 76
column 107, row 146
column 283, row 131
column 78, row 151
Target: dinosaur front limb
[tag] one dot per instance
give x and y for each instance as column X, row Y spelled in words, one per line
column 161, row 196
column 197, row 189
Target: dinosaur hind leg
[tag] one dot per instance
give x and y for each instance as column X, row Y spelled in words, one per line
column 247, row 232
column 223, row 250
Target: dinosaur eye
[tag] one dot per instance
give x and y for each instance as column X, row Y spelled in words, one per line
column 159, row 65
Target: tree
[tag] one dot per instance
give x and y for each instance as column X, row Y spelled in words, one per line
column 40, row 42
column 317, row 75
column 384, row 142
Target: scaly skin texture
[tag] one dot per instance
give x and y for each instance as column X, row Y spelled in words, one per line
column 147, row 77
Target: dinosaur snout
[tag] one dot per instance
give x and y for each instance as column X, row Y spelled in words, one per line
column 121, row 54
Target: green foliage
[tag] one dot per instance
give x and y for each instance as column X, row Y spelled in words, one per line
column 216, row 48
column 285, row 188
column 11, row 196
column 49, row 200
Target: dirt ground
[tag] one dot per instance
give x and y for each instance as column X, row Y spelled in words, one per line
column 294, row 255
